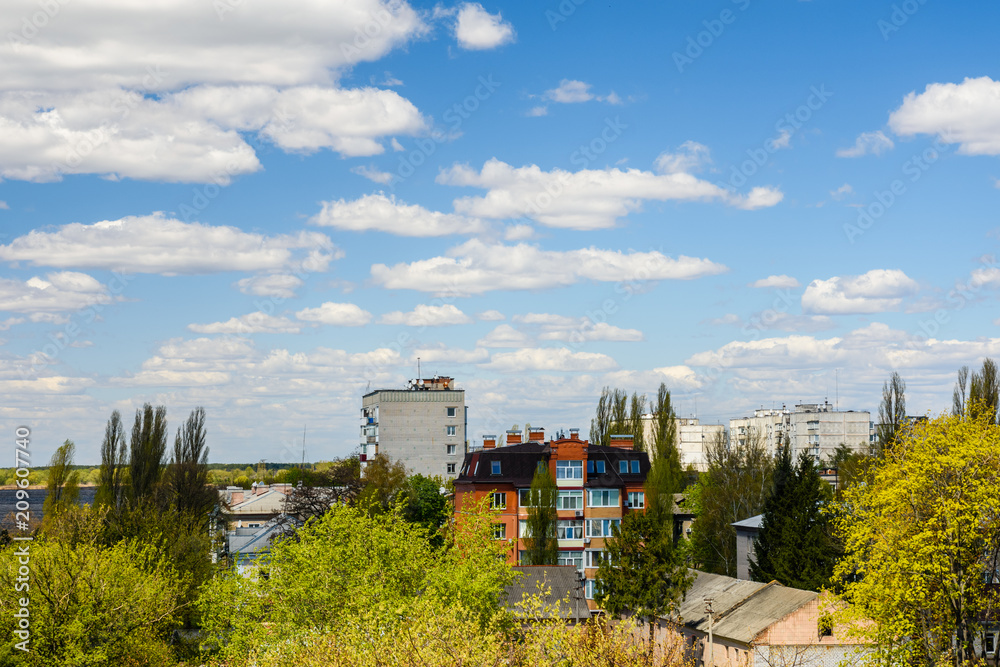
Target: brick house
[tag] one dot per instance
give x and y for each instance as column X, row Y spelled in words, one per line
column 597, row 486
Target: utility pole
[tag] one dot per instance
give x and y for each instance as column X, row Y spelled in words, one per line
column 711, row 643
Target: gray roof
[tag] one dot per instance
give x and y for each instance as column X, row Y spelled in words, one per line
column 742, row 609
column 752, row 522
column 558, row 585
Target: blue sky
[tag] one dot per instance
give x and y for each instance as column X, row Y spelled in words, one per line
column 267, row 208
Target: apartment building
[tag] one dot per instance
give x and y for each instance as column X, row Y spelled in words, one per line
column 597, row 486
column 693, row 439
column 815, row 428
column 424, row 426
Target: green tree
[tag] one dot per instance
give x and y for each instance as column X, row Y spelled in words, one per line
column 735, row 486
column 427, row 505
column 643, row 573
column 112, row 479
column 891, row 413
column 959, row 395
column 63, row 483
column 542, row 545
column 917, row 535
column 666, row 477
column 984, row 393
column 187, row 475
column 384, row 483
column 795, row 545
column 146, row 450
column 634, row 425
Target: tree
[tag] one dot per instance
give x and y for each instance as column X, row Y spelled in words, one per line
column 891, row 413
column 542, row 545
column 666, row 477
column 917, row 535
column 63, row 484
column 984, row 392
column 426, row 505
column 795, row 545
column 634, row 425
column 958, row 397
column 112, row 480
column 315, row 492
column 384, row 483
column 611, row 416
column 146, row 450
column 187, row 474
column 735, row 487
column 642, row 574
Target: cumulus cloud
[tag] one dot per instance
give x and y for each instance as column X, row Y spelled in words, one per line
column 62, row 291
column 690, row 158
column 505, row 336
column 779, row 282
column 424, row 315
column 877, row 291
column 281, row 285
column 842, row 191
column 475, row 267
column 549, row 359
column 874, row 143
column 378, row 212
column 677, row 378
column 491, row 316
column 476, row 29
column 587, row 199
column 451, row 355
column 570, row 92
column 157, row 244
column 373, row 174
column 256, row 322
column 966, row 113
column 336, row 314
column 576, row 329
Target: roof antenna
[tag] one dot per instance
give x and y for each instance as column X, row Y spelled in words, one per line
column 418, row 370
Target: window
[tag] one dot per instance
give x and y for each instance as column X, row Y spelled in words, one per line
column 570, row 500
column 569, row 530
column 636, row 499
column 635, row 466
column 622, row 466
column 595, row 558
column 499, row 531
column 601, row 527
column 574, row 558
column 451, row 430
column 452, row 449
column 595, row 466
column 494, row 467
column 498, row 501
column 542, row 466
column 451, row 468
column 452, row 411
column 602, row 498
column 569, row 469
column 523, row 530
column 524, row 497
column 591, row 590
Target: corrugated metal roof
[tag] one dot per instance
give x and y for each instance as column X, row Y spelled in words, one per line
column 558, row 585
column 742, row 609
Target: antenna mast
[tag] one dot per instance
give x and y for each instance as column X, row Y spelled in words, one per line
column 303, row 446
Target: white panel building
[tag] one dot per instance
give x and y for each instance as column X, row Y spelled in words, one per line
column 815, row 428
column 693, row 439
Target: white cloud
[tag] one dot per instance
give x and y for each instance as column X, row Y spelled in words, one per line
column 874, row 143
column 9, row 322
column 385, row 214
column 491, row 316
column 779, row 282
column 256, row 322
column 570, row 92
column 475, row 267
column 677, row 378
column 477, row 29
column 877, row 291
column 535, row 112
column 549, row 359
column 587, row 331
column 727, row 320
column 373, row 174
column 156, row 244
column 3, row 205
column 451, row 355
column 518, row 232
column 587, row 199
column 62, row 291
column 842, row 191
column 504, row 336
column 427, row 316
column 282, row 285
column 690, row 158
column 966, row 113
column 336, row 314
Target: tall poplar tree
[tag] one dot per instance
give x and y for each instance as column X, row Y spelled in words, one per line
column 187, row 474
column 542, row 545
column 113, row 474
column 146, row 451
column 63, row 483
column 891, row 414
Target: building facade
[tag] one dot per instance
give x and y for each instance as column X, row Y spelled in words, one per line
column 597, row 487
column 424, row 426
column 815, row 428
column 693, row 439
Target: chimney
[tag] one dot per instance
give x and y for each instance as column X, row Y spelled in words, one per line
column 513, row 438
column 574, row 434
column 621, row 441
column 536, row 434
column 489, row 441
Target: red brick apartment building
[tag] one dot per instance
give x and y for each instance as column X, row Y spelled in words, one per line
column 597, row 485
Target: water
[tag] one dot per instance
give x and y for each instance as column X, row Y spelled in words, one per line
column 36, row 498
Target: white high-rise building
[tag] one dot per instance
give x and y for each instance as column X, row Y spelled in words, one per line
column 693, row 439
column 815, row 428
column 424, row 426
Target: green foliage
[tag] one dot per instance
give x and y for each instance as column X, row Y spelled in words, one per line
column 187, row 475
column 426, row 505
column 112, row 479
column 735, row 487
column 384, row 483
column 617, row 415
column 352, row 569
column 542, row 545
column 984, row 393
column 63, row 483
column 921, row 536
column 146, row 450
column 891, row 413
column 795, row 545
column 91, row 604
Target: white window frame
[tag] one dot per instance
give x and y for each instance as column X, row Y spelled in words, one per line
column 605, row 524
column 498, row 500
column 605, row 496
column 637, row 499
column 575, row 556
column 576, row 496
column 451, row 468
column 523, row 529
column 575, row 528
column 451, row 412
column 594, row 557
column 574, row 468
column 452, row 450
column 500, row 531
column 451, row 430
